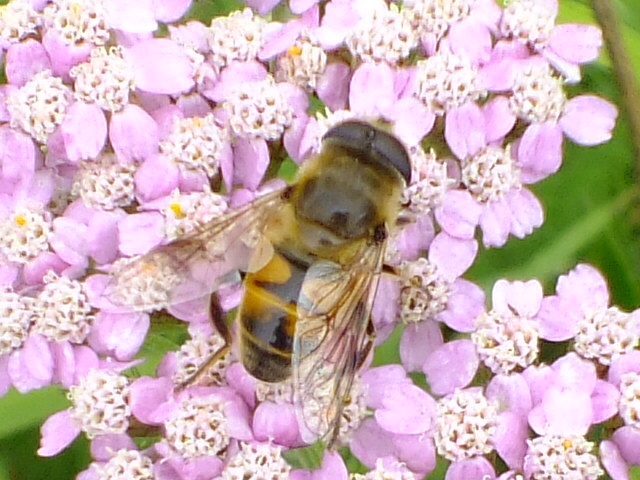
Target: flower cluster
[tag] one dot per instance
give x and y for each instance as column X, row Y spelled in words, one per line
column 118, row 139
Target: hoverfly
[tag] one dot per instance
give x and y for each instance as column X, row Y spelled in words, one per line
column 312, row 254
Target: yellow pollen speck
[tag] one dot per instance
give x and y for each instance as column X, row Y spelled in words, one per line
column 176, row 208
column 567, row 444
column 197, row 122
column 20, row 220
column 295, row 51
column 76, row 9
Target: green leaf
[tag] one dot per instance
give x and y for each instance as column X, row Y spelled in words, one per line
column 21, row 412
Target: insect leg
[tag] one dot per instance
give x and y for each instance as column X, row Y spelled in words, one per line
column 361, row 356
column 216, row 316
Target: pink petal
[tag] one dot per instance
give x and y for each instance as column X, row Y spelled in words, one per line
column 627, row 440
column 370, row 442
column 539, row 379
column 133, row 134
column 575, row 373
column 417, row 342
column 417, row 452
column 276, row 422
column 451, row 366
column 160, row 66
column 300, row 6
column 584, row 286
column 499, row 118
column 333, row 85
column 37, row 361
column 526, row 212
column 58, row 431
column 64, row 361
column 156, row 178
column 84, row 130
column 566, row 412
column 511, row 392
column 140, row 232
column 167, row 11
column 148, row 396
column 510, row 439
column 378, row 379
column 629, row 362
column 262, row 6
column 69, row 240
column 407, row 409
column 412, row 120
column 471, row 39
column 119, row 335
column 523, row 297
column 452, row 256
column 558, row 319
column 464, row 130
column 588, row 120
column 604, row 400
column 251, row 159
column 466, row 302
column 576, row 43
column 371, row 90
column 24, row 60
column 102, row 237
column 476, row 468
column 459, row 214
column 613, row 462
column 495, row 223
column 539, row 152
column 131, row 17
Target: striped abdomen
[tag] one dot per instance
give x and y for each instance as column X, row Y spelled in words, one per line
column 268, row 316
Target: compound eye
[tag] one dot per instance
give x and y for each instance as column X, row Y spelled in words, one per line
column 370, row 142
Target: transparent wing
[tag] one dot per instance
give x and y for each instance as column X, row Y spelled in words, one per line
column 331, row 339
column 199, row 263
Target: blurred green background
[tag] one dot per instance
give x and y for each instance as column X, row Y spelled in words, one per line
column 592, row 215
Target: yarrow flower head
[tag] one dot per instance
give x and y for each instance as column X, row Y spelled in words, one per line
column 25, row 234
column 18, row 20
column 39, row 106
column 466, row 424
column 630, row 399
column 490, row 174
column 256, row 461
column 429, row 181
column 101, row 403
column 559, row 457
column 134, row 162
column 538, row 95
column 105, row 183
column 63, row 310
column 445, row 81
column 78, row 21
column 125, row 464
column 196, row 144
column 258, row 109
column 106, row 79
column 424, row 292
column 235, row 38
column 192, row 354
column 433, row 17
column 16, row 316
column 186, row 212
column 303, row 63
column 607, row 334
column 198, row 427
column 384, row 35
